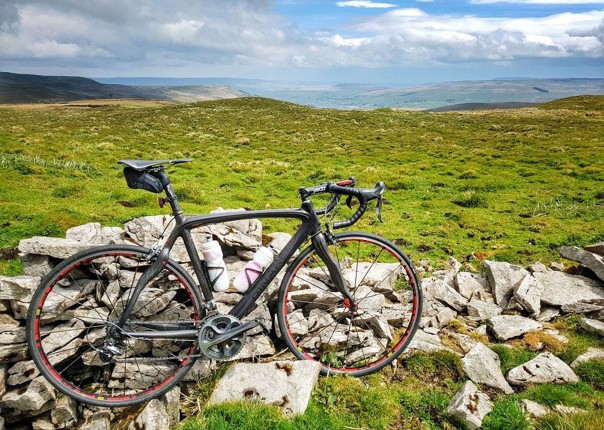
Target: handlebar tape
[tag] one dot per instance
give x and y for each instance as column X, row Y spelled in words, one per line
column 354, row 218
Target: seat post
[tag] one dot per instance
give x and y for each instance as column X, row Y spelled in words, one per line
column 172, row 199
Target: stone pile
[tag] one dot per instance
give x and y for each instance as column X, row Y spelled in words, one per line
column 505, row 303
column 26, row 397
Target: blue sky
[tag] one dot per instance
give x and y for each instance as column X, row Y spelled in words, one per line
column 382, row 42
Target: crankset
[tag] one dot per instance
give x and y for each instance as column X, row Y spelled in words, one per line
column 222, row 336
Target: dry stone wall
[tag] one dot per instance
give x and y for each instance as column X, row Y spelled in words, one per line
column 505, row 303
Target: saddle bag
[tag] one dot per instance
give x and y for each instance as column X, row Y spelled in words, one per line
column 142, row 180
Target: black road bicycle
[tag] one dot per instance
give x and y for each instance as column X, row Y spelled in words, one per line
column 117, row 325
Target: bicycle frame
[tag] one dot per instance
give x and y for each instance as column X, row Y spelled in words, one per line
column 310, row 227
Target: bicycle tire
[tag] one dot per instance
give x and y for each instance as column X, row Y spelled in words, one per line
column 72, row 313
column 312, row 314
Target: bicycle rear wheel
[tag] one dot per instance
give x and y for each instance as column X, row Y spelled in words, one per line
column 316, row 323
column 76, row 345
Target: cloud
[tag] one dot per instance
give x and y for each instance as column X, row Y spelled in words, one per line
column 411, row 35
column 248, row 37
column 365, row 4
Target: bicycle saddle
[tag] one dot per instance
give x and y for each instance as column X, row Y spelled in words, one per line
column 141, row 165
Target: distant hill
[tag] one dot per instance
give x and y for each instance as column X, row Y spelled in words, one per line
column 21, row 88
column 492, row 94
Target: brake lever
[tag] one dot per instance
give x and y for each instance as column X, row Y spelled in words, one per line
column 349, row 202
column 378, row 209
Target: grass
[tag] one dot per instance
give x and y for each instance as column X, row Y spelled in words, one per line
column 593, row 420
column 509, row 185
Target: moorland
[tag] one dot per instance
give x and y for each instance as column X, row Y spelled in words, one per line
column 510, row 185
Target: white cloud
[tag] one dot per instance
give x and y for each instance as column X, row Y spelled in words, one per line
column 194, row 38
column 365, row 4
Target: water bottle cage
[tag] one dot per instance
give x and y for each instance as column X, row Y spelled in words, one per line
column 216, row 278
column 249, row 269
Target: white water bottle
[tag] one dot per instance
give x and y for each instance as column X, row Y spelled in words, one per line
column 250, row 272
column 212, row 254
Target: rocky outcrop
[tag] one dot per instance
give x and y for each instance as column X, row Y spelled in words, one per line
column 285, row 384
column 502, row 306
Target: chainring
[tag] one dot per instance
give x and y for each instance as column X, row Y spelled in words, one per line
column 215, row 326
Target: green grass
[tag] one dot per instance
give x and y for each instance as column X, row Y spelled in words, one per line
column 506, row 415
column 593, row 420
column 508, row 185
column 592, row 372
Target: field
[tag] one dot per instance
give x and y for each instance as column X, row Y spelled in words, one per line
column 506, row 184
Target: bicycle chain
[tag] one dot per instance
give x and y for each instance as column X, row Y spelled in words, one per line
column 183, row 357
column 146, row 359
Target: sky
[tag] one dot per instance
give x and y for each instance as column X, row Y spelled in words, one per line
column 380, row 42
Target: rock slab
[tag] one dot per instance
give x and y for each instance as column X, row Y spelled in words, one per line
column 545, row 368
column 285, row 384
column 483, row 366
column 505, row 327
column 470, row 405
column 592, row 261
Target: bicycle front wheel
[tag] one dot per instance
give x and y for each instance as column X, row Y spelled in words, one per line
column 75, row 342
column 316, row 322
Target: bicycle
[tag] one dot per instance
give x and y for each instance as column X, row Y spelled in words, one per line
column 117, row 325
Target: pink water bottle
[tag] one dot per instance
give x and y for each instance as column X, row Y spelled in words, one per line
column 250, row 272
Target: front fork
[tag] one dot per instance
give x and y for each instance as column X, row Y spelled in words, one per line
column 320, row 244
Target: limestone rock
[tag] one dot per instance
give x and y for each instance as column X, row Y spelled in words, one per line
column 568, row 410
column 548, row 313
column 37, row 394
column 527, row 292
column 93, row 234
column 36, row 265
column 597, row 248
column 426, row 342
column 171, row 400
column 590, row 354
column 153, row 417
column 438, row 289
column 279, row 240
column 52, row 246
column 470, row 405
column 593, row 262
column 22, row 372
column 502, row 278
column 146, row 231
column 482, row 310
column 98, row 421
column 545, row 368
column 483, row 366
column 508, row 326
column 471, row 284
column 561, row 289
column 18, row 287
column 592, row 326
column 245, row 233
column 581, row 308
column 281, row 383
column 64, row 414
column 534, row 409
